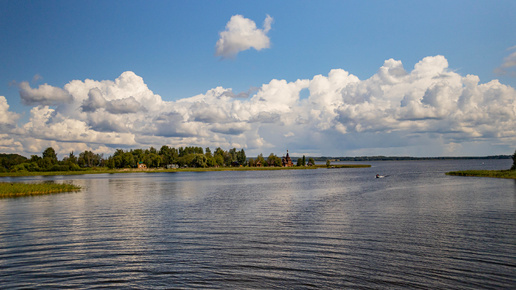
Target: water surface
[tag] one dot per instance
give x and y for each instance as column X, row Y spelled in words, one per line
column 324, row 228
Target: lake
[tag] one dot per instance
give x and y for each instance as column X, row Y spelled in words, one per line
column 323, row 228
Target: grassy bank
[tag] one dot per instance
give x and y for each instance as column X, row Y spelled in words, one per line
column 15, row 189
column 101, row 170
column 511, row 174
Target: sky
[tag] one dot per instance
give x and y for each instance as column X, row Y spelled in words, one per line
column 317, row 78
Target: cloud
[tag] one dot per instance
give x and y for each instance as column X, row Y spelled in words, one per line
column 429, row 109
column 124, row 106
column 94, row 101
column 509, row 63
column 6, row 117
column 241, row 34
column 231, row 128
column 43, row 95
column 36, row 78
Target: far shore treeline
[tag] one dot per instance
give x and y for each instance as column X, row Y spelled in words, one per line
column 170, row 158
column 166, row 157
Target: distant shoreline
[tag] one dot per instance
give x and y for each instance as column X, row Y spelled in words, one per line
column 507, row 174
column 134, row 170
column 408, row 158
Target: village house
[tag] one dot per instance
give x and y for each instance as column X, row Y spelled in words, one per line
column 142, row 165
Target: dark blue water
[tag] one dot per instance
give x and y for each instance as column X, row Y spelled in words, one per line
column 324, row 228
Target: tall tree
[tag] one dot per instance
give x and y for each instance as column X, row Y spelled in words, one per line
column 514, row 161
column 89, row 159
column 72, row 158
column 128, row 160
column 110, row 162
column 241, row 158
column 208, row 153
column 50, row 153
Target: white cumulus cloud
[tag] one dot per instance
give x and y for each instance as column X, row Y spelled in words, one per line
column 428, row 110
column 43, row 95
column 6, row 117
column 241, row 34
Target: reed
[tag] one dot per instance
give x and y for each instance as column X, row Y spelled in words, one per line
column 510, row 174
column 16, row 189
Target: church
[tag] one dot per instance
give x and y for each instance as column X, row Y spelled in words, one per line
column 286, row 161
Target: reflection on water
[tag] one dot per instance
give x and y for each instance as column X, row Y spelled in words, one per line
column 325, row 228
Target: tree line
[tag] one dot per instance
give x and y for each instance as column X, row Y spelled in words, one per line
column 48, row 161
column 196, row 157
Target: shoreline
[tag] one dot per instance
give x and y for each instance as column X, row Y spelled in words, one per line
column 161, row 170
column 505, row 174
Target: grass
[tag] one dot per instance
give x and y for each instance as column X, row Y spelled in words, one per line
column 16, row 189
column 100, row 170
column 510, row 174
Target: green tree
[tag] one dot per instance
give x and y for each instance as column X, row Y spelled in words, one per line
column 260, row 160
column 211, row 162
column 168, row 155
column 45, row 164
column 241, row 158
column 311, row 161
column 138, row 155
column 110, row 162
column 219, row 160
column 118, row 161
column 34, row 158
column 208, row 153
column 274, row 160
column 199, row 160
column 152, row 160
column 328, row 162
column 128, row 160
column 304, row 161
column 514, row 161
column 89, row 159
column 50, row 153
column 72, row 158
column 7, row 161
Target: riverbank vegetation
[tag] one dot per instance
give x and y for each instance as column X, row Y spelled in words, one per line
column 149, row 160
column 16, row 189
column 105, row 170
column 510, row 173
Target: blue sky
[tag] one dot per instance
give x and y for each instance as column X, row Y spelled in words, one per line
column 171, row 46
